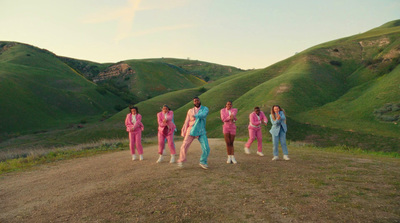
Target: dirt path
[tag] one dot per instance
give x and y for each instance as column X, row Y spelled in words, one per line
column 313, row 186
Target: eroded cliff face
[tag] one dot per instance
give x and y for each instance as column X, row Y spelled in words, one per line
column 113, row 71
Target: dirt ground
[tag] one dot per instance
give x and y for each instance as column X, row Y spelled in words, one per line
column 314, row 186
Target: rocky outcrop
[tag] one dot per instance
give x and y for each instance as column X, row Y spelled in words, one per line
column 121, row 69
column 6, row 45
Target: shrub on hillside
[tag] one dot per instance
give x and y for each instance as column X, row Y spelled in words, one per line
column 370, row 62
column 119, row 107
column 202, row 90
column 391, row 66
column 388, row 112
column 105, row 116
column 101, row 90
column 335, row 63
column 389, row 118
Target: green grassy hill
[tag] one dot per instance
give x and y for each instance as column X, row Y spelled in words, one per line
column 345, row 91
column 371, row 103
column 204, row 70
column 343, row 85
column 141, row 79
column 38, row 91
column 153, row 78
column 60, row 91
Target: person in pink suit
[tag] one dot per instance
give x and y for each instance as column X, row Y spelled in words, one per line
column 256, row 119
column 166, row 129
column 134, row 126
column 228, row 117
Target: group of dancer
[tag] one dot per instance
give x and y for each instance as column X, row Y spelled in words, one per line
column 195, row 127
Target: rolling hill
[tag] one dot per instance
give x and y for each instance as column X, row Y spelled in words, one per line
column 350, row 85
column 345, row 91
column 60, row 92
column 38, row 92
column 204, row 70
column 142, row 79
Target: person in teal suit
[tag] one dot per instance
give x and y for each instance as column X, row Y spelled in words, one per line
column 278, row 131
column 195, row 127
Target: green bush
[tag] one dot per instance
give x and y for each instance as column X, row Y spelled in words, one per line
column 389, row 118
column 335, row 63
column 101, row 90
column 202, row 90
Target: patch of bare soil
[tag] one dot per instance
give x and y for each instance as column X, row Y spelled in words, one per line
column 283, row 88
column 114, row 71
column 314, row 186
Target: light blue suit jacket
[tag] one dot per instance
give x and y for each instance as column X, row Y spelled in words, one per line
column 199, row 126
column 278, row 124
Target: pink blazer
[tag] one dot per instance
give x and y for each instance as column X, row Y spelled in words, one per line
column 130, row 127
column 254, row 122
column 170, row 122
column 225, row 115
column 185, row 126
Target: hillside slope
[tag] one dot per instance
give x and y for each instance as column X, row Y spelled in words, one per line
column 350, row 84
column 337, row 84
column 341, row 91
column 204, row 70
column 136, row 80
column 140, row 79
column 38, row 91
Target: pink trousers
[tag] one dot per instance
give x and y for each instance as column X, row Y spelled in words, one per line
column 253, row 134
column 184, row 148
column 205, row 148
column 135, row 138
column 161, row 143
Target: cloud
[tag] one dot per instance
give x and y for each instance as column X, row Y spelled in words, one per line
column 124, row 16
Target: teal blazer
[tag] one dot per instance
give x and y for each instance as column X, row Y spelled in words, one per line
column 278, row 124
column 199, row 126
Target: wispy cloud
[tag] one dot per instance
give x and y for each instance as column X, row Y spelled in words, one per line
column 125, row 18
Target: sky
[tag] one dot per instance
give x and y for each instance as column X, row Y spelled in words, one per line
column 248, row 34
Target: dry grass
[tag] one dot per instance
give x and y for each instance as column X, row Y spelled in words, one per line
column 13, row 153
column 315, row 186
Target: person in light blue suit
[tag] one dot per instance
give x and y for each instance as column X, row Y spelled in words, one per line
column 195, row 127
column 278, row 131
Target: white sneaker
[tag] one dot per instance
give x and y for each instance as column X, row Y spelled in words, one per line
column 133, row 157
column 286, row 157
column 160, row 159
column 180, row 165
column 275, row 158
column 204, row 166
column 172, row 159
column 229, row 159
column 233, row 159
column 260, row 153
column 246, row 150
column 140, row 157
